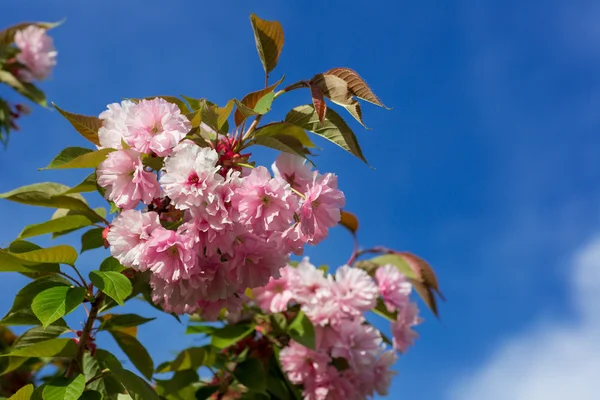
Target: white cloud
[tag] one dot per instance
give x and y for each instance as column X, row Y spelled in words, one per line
column 553, row 360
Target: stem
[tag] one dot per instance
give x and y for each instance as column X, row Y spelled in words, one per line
column 376, row 250
column 99, row 376
column 69, row 277
column 76, row 364
column 80, row 277
column 291, row 87
column 252, row 127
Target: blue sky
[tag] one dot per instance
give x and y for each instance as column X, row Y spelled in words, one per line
column 487, row 165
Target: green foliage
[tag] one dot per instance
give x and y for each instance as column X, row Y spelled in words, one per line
column 302, row 330
column 86, row 126
column 64, row 388
column 251, row 373
column 50, row 348
column 23, row 394
column 78, row 157
column 135, row 351
column 229, row 335
column 62, row 224
column 114, row 284
column 56, row 302
column 110, row 322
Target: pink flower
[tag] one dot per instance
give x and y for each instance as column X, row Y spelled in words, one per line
column 128, row 235
column 381, row 374
column 265, row 203
column 122, row 175
column 210, row 310
column 403, row 335
column 190, row 177
column 308, row 282
column 177, row 297
column 354, row 290
column 302, row 364
column 170, row 255
column 37, row 53
column 114, row 124
column 322, row 207
column 157, row 126
column 294, row 170
column 276, row 294
column 393, row 287
column 255, row 261
column 358, row 343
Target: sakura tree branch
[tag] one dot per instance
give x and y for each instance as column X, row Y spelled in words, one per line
column 76, row 364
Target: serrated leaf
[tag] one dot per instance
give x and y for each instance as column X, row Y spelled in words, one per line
column 113, row 284
column 10, row 263
column 64, row 388
column 251, row 374
column 349, row 221
column 286, row 129
column 302, row 330
column 78, row 157
column 356, row 84
column 92, row 239
column 25, row 296
column 87, row 185
column 191, row 358
column 67, row 223
column 50, row 194
column 87, row 126
column 23, row 394
column 318, row 102
column 118, row 321
column 60, row 347
column 111, row 264
column 39, row 334
column 269, row 39
column 254, row 103
column 91, row 368
column 61, row 254
column 333, row 128
column 135, row 351
column 287, row 144
column 230, row 334
column 56, row 302
column 242, row 112
column 337, row 90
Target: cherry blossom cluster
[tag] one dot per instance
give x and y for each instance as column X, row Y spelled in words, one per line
column 36, row 53
column 336, row 306
column 211, row 229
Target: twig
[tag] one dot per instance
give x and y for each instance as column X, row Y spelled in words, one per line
column 76, row 364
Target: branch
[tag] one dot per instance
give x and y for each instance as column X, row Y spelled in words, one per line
column 76, row 364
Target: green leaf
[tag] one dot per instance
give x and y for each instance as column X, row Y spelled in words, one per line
column 199, row 329
column 337, row 90
column 254, row 103
column 135, row 351
column 251, row 374
column 287, row 144
column 67, row 223
column 25, row 296
column 119, row 321
column 87, row 126
column 179, row 386
column 10, row 263
column 92, row 239
column 229, row 335
column 78, row 157
column 87, row 185
column 206, row 391
column 60, row 347
column 269, row 39
column 91, row 395
column 137, row 388
column 27, row 89
column 302, row 330
column 49, row 194
column 56, row 302
column 113, row 284
column 39, row 334
column 91, row 369
column 64, row 388
column 23, row 394
column 382, row 310
column 242, row 112
column 287, row 129
column 61, row 254
column 333, row 128
column 191, row 358
column 111, row 264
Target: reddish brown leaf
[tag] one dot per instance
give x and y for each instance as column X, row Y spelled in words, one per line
column 269, row 41
column 251, row 99
column 318, row 102
column 356, row 84
column 349, row 221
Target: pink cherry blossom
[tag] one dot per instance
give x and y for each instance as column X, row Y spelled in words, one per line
column 113, row 132
column 157, row 126
column 393, row 286
column 128, row 235
column 265, row 203
column 122, row 175
column 190, row 177
column 255, row 261
column 36, row 53
column 354, row 290
column 210, row 310
column 276, row 294
column 301, row 363
column 358, row 343
column 170, row 255
column 294, row 170
column 402, row 331
column 381, row 374
column 179, row 297
column 322, row 207
column 308, row 282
